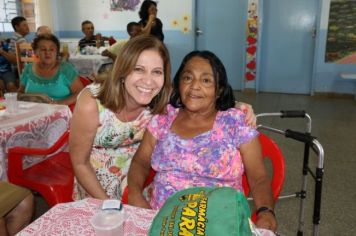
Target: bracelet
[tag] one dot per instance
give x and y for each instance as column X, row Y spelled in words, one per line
column 265, row 209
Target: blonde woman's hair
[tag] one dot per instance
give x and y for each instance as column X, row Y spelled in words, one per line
column 112, row 91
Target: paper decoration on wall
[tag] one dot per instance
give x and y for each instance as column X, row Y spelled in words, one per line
column 124, row 5
column 341, row 37
column 182, row 23
column 251, row 41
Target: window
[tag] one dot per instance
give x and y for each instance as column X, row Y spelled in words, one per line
column 8, row 10
column 11, row 8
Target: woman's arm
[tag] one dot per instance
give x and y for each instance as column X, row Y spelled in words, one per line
column 139, row 169
column 75, row 89
column 259, row 182
column 150, row 22
column 84, row 124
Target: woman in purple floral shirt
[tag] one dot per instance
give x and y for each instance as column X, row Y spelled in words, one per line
column 202, row 140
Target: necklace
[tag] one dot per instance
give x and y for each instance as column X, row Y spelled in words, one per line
column 131, row 130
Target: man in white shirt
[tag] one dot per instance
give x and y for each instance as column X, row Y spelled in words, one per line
column 133, row 29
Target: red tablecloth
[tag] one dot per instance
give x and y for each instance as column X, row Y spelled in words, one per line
column 34, row 125
column 73, row 219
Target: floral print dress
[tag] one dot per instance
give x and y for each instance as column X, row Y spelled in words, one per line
column 208, row 159
column 114, row 145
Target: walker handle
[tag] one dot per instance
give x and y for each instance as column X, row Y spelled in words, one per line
column 302, row 137
column 291, row 114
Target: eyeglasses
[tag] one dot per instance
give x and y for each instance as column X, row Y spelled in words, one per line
column 206, row 82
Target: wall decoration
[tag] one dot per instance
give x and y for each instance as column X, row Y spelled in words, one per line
column 251, row 40
column 341, row 36
column 124, row 5
column 183, row 23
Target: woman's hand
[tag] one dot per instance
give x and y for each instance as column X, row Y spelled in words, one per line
column 151, row 19
column 138, row 200
column 248, row 110
column 266, row 220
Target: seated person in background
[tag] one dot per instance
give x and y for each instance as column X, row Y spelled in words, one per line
column 133, row 29
column 7, row 75
column 43, row 29
column 202, row 140
column 21, row 29
column 90, row 39
column 16, row 208
column 48, row 76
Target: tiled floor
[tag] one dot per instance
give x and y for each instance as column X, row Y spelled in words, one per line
column 334, row 125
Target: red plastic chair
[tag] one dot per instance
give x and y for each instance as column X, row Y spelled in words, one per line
column 270, row 150
column 53, row 178
column 149, row 179
column 85, row 81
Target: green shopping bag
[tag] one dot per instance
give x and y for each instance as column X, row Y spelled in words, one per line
column 203, row 211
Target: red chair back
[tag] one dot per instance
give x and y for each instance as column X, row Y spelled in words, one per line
column 85, row 81
column 271, row 151
column 53, row 178
column 149, row 179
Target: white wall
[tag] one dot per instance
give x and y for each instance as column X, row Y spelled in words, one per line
column 72, row 13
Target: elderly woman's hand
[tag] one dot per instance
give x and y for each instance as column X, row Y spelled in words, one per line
column 248, row 110
column 266, row 220
column 138, row 200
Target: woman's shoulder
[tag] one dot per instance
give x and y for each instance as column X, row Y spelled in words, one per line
column 66, row 66
column 168, row 114
column 232, row 112
column 28, row 68
column 232, row 116
column 164, row 119
column 86, row 100
column 67, row 69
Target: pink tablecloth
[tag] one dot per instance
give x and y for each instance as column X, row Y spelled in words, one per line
column 73, row 219
column 34, row 125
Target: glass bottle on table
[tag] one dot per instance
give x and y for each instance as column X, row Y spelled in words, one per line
column 65, row 49
column 98, row 40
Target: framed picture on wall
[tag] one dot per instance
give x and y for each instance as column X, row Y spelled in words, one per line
column 341, row 36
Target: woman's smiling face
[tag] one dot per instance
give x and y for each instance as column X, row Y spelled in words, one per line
column 197, row 85
column 146, row 79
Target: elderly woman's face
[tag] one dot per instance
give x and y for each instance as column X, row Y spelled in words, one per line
column 46, row 52
column 197, row 85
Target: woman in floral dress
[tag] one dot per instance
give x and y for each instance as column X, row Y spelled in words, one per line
column 201, row 141
column 110, row 118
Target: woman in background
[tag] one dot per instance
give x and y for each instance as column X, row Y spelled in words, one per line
column 149, row 21
column 48, row 76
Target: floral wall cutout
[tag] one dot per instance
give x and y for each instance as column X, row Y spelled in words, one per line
column 182, row 23
column 124, row 5
column 251, row 40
